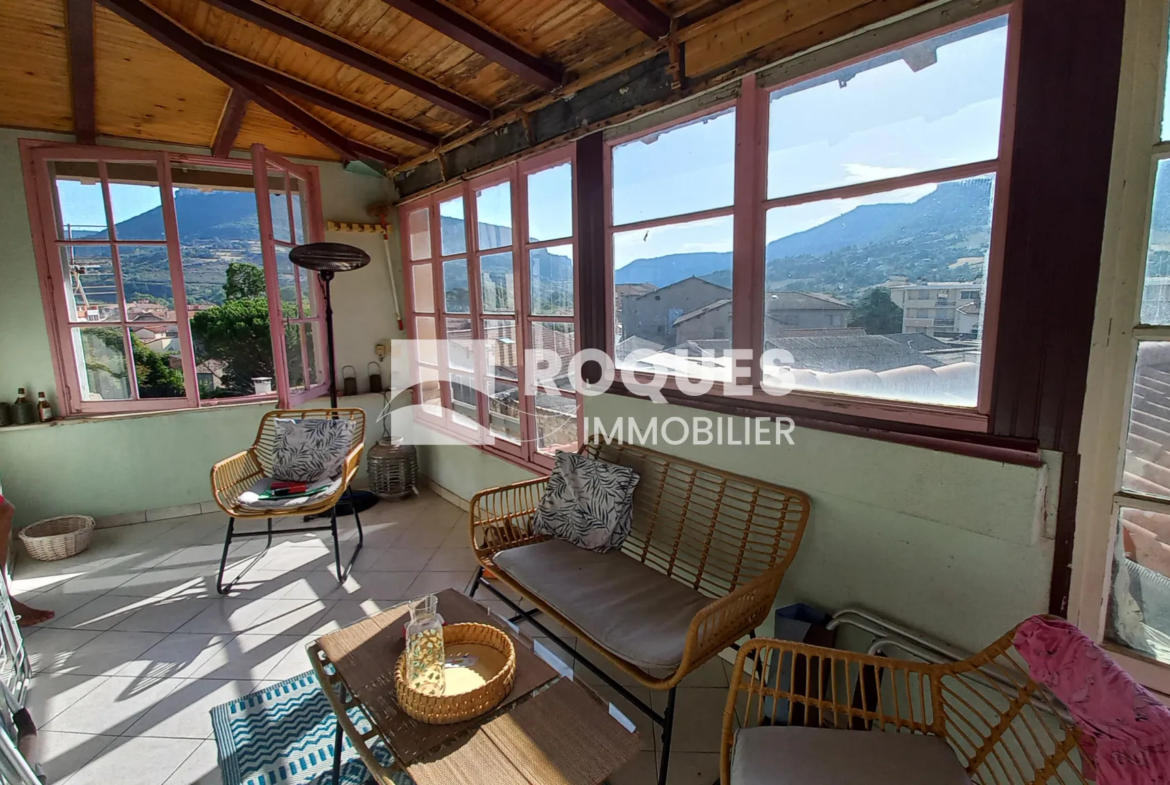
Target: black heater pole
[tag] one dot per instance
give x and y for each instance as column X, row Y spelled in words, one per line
column 326, row 279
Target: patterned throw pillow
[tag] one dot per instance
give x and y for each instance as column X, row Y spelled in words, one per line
column 310, row 450
column 588, row 502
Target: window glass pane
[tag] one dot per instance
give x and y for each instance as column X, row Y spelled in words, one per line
column 91, row 291
column 493, row 208
column 455, row 291
column 684, row 169
column 286, row 274
column 850, row 324
column 1147, row 453
column 430, row 392
column 673, row 288
column 497, row 283
column 504, row 410
column 556, row 423
column 146, row 283
column 418, row 227
column 499, row 336
column 102, row 363
column 158, row 365
column 300, row 220
column 294, row 339
column 307, row 283
column 551, row 280
column 463, row 396
column 460, row 345
column 454, row 228
column 278, row 204
column 424, row 288
column 424, row 333
column 1166, row 106
column 318, row 372
column 81, row 207
column 137, row 207
column 553, row 345
column 1156, row 292
column 1139, row 606
column 931, row 105
column 227, row 295
column 550, row 203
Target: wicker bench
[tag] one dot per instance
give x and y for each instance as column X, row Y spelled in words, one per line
column 699, row 571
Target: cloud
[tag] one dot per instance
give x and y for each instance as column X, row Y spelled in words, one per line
column 864, row 173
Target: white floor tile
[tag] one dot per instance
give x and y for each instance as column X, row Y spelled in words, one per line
column 136, row 761
column 201, row 768
column 166, row 615
column 640, row 770
column 693, row 768
column 460, row 559
column 109, row 652
column 185, row 712
column 227, row 615
column 62, row 754
column 290, row 617
column 394, row 559
column 113, row 706
column 698, row 718
column 432, row 582
column 245, row 656
column 52, row 693
column 376, row 586
column 102, row 614
column 177, row 656
column 50, row 650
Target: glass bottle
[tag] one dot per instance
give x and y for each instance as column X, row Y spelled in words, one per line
column 44, row 411
column 424, row 646
column 20, row 398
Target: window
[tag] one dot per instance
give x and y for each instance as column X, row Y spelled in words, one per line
column 857, row 196
column 164, row 273
column 499, row 284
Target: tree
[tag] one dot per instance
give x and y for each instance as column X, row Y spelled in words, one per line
column 235, row 333
column 156, row 378
column 877, row 314
column 243, row 281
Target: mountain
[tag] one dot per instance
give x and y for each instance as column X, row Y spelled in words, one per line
column 922, row 239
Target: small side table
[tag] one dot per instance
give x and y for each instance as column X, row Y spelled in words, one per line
column 559, row 732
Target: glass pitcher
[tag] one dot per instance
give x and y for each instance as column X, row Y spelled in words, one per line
column 424, row 646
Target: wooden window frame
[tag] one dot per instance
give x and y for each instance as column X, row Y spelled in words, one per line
column 36, row 155
column 526, row 453
column 748, row 265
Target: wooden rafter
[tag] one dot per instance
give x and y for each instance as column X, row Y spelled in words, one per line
column 347, row 52
column 327, row 100
column 642, row 14
column 82, row 76
column 468, row 31
column 229, row 123
column 166, row 31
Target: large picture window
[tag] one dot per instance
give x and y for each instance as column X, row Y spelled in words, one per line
column 166, row 278
column 842, row 223
column 490, row 275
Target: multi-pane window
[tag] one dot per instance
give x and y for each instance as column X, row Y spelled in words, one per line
column 490, row 275
column 165, row 273
column 857, row 205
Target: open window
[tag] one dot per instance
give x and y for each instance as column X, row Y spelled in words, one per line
column 162, row 277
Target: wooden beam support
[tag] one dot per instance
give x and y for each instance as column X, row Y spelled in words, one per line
column 468, row 31
column 169, row 33
column 325, row 99
column 82, row 76
column 347, row 52
column 229, row 123
column 642, row 14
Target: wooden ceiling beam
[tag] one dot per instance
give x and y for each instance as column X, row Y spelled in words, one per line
column 82, row 75
column 347, row 52
column 468, row 31
column 169, row 33
column 642, row 14
column 229, row 123
column 327, row 100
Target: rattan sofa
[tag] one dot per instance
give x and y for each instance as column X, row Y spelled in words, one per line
column 699, row 571
column 818, row 716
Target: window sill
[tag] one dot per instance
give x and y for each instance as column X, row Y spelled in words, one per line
column 79, row 419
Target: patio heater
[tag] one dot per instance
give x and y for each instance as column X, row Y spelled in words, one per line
column 328, row 259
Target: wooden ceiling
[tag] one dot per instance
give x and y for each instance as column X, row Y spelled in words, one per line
column 386, row 81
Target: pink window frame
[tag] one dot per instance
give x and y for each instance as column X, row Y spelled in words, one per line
column 750, row 206
column 524, row 453
column 35, row 157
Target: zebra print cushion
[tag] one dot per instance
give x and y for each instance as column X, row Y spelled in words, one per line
column 310, row 450
column 587, row 502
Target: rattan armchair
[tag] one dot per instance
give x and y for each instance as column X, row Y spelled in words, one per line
column 1001, row 725
column 234, row 475
column 728, row 537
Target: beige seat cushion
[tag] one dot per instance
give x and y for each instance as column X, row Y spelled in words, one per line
column 821, row 756
column 625, row 607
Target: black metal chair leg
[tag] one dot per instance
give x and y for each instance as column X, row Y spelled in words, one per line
column 343, row 574
column 356, row 519
column 227, row 542
column 336, row 546
column 269, row 543
column 667, row 729
column 338, row 744
column 475, row 582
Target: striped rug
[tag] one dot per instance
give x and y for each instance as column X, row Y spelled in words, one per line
column 283, row 735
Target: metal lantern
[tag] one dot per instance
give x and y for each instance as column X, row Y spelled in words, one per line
column 393, row 469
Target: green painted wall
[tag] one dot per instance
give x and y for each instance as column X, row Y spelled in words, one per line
column 107, row 466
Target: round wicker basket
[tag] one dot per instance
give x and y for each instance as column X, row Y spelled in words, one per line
column 57, row 538
column 392, row 469
column 448, row 709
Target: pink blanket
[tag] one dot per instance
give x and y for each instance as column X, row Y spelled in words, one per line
column 1126, row 729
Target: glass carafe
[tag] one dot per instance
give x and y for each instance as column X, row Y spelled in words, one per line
column 424, row 646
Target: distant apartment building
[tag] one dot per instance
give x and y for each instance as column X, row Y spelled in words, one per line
column 946, row 309
column 652, row 315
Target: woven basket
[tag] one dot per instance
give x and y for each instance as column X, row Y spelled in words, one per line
column 57, row 538
column 448, row 709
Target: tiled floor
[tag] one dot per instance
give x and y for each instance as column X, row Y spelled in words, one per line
column 143, row 647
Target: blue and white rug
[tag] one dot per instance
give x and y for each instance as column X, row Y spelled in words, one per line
column 284, row 735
